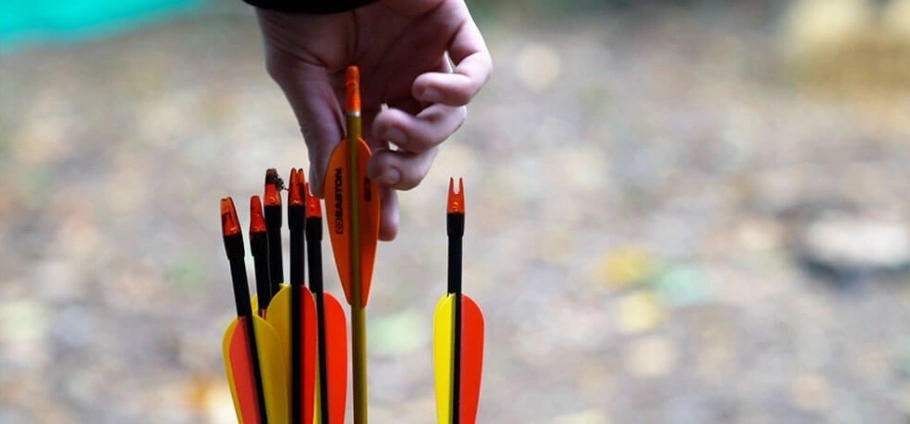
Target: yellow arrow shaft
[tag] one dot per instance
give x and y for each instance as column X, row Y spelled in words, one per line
column 358, row 318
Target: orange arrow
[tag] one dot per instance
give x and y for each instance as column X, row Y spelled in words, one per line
column 352, row 205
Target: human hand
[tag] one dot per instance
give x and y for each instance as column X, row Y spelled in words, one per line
column 402, row 48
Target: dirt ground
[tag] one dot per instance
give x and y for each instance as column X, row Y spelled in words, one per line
column 644, row 194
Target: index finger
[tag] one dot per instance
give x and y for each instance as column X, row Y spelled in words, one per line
column 473, row 67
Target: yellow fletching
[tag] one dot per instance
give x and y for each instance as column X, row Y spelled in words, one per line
column 274, row 376
column 278, row 316
column 443, row 340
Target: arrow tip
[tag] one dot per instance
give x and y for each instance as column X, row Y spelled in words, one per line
column 313, row 210
column 295, row 197
column 273, row 184
column 352, row 83
column 302, row 185
column 456, row 199
column 257, row 222
column 230, row 224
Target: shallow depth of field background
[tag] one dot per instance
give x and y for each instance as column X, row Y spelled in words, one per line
column 678, row 212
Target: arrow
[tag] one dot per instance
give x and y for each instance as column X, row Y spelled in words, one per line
column 258, row 384
column 259, row 245
column 353, row 209
column 332, row 327
column 457, row 331
column 273, row 186
column 292, row 313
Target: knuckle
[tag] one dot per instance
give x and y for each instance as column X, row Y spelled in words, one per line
column 420, row 142
column 412, row 179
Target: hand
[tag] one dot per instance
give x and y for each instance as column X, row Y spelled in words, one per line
column 402, row 48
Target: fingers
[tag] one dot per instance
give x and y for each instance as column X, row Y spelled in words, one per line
column 422, row 132
column 313, row 100
column 400, row 170
column 473, row 67
column 388, row 221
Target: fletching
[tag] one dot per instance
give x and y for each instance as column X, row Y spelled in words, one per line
column 278, row 316
column 336, row 360
column 236, row 349
column 472, row 336
column 338, row 216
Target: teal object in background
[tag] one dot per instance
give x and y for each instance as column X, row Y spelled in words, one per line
column 29, row 21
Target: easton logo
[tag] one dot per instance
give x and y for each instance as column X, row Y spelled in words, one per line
column 339, row 208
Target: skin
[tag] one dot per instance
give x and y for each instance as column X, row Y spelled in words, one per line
column 403, row 49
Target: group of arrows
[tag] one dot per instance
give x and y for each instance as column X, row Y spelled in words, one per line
column 286, row 353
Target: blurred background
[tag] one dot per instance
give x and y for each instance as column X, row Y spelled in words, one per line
column 678, row 212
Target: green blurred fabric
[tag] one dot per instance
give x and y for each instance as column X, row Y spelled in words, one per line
column 24, row 21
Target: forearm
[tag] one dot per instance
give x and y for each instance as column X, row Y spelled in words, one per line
column 315, row 7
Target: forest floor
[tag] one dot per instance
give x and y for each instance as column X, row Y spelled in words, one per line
column 663, row 226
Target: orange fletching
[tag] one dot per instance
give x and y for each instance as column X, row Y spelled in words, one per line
column 472, row 328
column 244, row 382
column 338, row 207
column 336, row 358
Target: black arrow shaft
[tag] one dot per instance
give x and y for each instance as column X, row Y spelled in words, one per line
column 314, row 257
column 245, row 311
column 298, row 247
column 454, row 289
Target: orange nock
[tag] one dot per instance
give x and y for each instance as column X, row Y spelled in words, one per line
column 302, row 184
column 273, row 184
column 352, row 83
column 257, row 222
column 295, row 197
column 456, row 200
column 313, row 210
column 230, row 224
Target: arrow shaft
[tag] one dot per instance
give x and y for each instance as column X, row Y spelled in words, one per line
column 454, row 277
column 298, row 256
column 259, row 246
column 455, row 258
column 245, row 310
column 273, row 224
column 298, row 246
column 314, row 256
column 358, row 318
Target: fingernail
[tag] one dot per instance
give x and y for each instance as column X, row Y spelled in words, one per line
column 396, row 135
column 432, row 95
column 390, row 177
